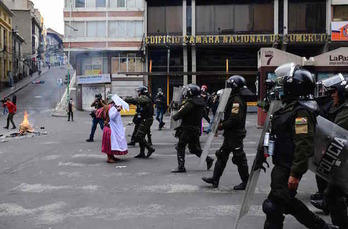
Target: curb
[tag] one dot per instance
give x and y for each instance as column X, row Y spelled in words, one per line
column 59, row 114
column 26, row 84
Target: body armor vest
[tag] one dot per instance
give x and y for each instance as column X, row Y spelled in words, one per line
column 282, row 133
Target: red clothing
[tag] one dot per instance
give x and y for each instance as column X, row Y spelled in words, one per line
column 11, row 107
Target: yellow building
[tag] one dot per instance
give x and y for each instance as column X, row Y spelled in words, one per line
column 5, row 44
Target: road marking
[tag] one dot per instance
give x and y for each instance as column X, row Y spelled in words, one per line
column 97, row 156
column 73, row 164
column 39, row 188
column 38, row 97
column 71, row 175
column 121, row 167
column 52, row 157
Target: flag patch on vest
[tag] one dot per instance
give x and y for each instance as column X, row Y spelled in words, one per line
column 301, row 125
column 235, row 108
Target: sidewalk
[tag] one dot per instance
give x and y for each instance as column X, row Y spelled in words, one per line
column 7, row 92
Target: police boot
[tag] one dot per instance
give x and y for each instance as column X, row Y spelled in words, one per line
column 244, row 175
column 181, row 164
column 150, row 151
column 141, row 154
column 211, row 180
column 209, row 162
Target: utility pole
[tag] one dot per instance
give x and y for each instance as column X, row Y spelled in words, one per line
column 168, row 78
column 68, row 83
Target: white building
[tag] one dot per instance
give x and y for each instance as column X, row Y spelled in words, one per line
column 104, row 37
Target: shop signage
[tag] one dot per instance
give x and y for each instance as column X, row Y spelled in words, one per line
column 236, row 39
column 339, row 31
column 93, row 79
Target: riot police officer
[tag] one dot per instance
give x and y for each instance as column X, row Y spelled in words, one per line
column 292, row 130
column 145, row 118
column 335, row 197
column 234, row 133
column 191, row 113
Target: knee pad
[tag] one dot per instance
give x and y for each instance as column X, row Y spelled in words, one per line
column 219, row 154
column 271, row 209
column 240, row 160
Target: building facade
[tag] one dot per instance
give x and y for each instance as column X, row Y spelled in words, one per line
column 105, row 41
column 205, row 42
column 19, row 69
column 5, row 45
column 54, row 48
column 29, row 24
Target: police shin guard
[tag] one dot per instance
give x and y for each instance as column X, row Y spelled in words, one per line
column 181, row 163
column 274, row 216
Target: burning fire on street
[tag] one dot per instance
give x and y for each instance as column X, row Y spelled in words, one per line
column 25, row 130
column 25, row 126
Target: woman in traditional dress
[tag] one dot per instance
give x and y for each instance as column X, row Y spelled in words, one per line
column 114, row 138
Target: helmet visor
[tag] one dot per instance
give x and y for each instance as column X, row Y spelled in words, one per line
column 184, row 91
column 283, row 71
column 333, row 80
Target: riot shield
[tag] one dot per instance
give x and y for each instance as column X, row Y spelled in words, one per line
column 257, row 165
column 330, row 160
column 218, row 116
column 174, row 106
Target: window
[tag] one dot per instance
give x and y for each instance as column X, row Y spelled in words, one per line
column 118, row 3
column 308, row 17
column 340, row 13
column 79, row 29
column 94, row 65
column 165, row 20
column 126, row 63
column 130, row 28
column 96, row 29
column 80, row 3
column 100, row 3
column 121, row 29
column 226, row 19
column 130, row 3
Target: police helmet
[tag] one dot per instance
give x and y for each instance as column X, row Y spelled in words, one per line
column 98, row 96
column 236, row 82
column 191, row 90
column 142, row 90
column 337, row 83
column 295, row 81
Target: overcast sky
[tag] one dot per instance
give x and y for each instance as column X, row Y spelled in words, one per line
column 52, row 12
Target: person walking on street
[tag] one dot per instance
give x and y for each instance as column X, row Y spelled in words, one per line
column 97, row 104
column 161, row 106
column 292, row 129
column 71, row 110
column 335, row 199
column 191, row 113
column 5, row 110
column 114, row 138
column 234, row 134
column 145, row 117
column 12, row 109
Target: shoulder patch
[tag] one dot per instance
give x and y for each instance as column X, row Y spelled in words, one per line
column 235, row 108
column 301, row 125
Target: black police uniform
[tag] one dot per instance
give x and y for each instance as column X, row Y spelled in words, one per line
column 145, row 109
column 293, row 129
column 335, row 197
column 191, row 113
column 234, row 133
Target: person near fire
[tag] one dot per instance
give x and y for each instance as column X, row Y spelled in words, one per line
column 12, row 109
column 97, row 104
column 70, row 110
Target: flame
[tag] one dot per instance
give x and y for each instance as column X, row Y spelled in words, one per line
column 25, row 119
